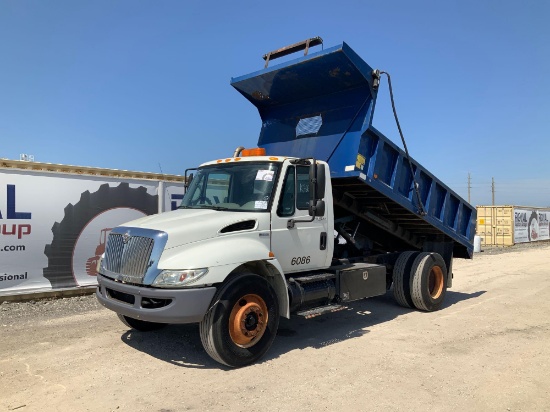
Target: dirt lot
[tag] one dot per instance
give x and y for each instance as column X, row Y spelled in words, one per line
column 487, row 349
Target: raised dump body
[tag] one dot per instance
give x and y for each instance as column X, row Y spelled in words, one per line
column 321, row 106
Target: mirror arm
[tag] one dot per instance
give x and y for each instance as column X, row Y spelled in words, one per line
column 292, row 222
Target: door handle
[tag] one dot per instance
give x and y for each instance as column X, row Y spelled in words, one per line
column 323, row 242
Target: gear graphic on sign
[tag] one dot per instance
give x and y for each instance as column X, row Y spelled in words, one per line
column 65, row 233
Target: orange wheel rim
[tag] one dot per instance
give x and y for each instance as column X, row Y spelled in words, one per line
column 248, row 321
column 436, row 282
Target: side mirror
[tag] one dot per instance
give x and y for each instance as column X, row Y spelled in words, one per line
column 320, row 182
column 188, row 181
column 316, row 181
column 317, row 208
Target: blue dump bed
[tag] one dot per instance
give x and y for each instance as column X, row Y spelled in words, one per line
column 321, row 105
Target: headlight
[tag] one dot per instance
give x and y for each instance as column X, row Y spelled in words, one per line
column 99, row 264
column 178, row 278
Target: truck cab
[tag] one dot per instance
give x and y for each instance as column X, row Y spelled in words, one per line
column 265, row 217
column 265, row 194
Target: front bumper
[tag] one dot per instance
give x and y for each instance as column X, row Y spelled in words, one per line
column 154, row 305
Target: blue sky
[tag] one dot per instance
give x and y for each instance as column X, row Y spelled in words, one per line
column 143, row 85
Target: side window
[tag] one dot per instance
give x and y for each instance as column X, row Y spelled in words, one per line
column 302, row 186
column 288, row 199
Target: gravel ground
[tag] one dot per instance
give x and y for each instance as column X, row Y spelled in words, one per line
column 488, row 349
column 494, row 250
column 25, row 313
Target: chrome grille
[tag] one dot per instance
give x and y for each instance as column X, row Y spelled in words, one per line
column 130, row 259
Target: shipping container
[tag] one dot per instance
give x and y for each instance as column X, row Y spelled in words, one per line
column 507, row 225
column 54, row 219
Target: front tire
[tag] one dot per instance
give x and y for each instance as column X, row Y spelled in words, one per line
column 140, row 325
column 242, row 321
column 428, row 281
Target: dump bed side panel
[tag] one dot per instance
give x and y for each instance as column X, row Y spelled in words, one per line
column 322, row 106
column 387, row 199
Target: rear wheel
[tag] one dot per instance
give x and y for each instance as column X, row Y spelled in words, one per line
column 428, row 281
column 401, row 279
column 242, row 322
column 140, row 325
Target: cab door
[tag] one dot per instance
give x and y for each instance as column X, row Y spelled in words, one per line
column 303, row 247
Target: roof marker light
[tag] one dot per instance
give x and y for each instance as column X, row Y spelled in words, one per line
column 257, row 151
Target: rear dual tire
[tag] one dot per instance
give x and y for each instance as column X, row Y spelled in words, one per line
column 428, row 282
column 420, row 280
column 402, row 279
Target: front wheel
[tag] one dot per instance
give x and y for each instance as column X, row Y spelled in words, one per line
column 242, row 322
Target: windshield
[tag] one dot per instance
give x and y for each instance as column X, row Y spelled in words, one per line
column 245, row 186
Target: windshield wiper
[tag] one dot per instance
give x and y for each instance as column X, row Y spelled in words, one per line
column 213, row 207
column 204, row 207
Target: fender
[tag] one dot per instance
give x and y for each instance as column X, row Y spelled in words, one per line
column 280, row 285
column 226, row 255
column 272, row 271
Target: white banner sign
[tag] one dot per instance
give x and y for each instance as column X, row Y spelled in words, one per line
column 53, row 227
column 531, row 225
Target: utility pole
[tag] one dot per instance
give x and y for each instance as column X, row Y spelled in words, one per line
column 493, row 189
column 469, row 186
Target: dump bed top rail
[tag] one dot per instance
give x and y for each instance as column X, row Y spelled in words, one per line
column 321, row 106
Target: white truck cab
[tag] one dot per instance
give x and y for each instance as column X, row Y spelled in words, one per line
column 250, row 218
